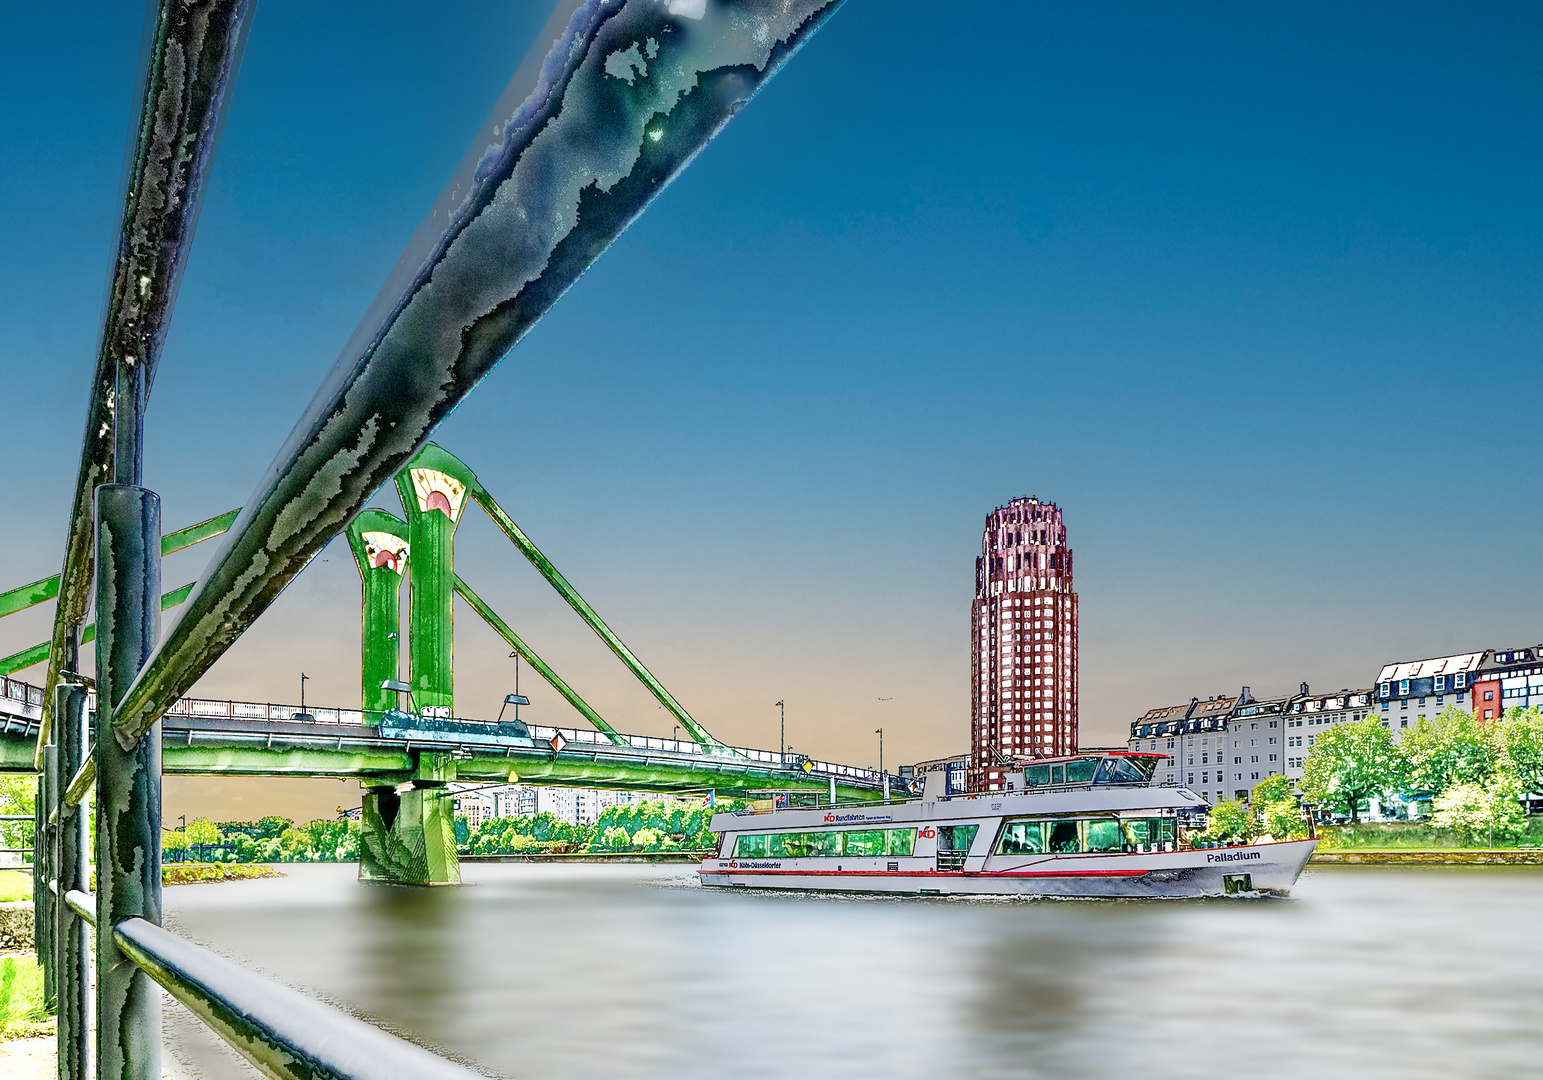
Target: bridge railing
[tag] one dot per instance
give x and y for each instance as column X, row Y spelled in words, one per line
column 267, row 712
column 17, row 690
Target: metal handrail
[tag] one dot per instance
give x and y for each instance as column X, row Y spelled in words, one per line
column 281, row 1031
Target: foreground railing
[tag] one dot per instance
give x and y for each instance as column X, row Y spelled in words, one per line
column 502, row 244
column 281, row 1031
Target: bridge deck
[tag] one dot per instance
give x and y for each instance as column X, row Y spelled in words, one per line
column 203, row 737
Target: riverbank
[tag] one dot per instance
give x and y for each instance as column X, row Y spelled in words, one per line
column 1429, row 857
column 205, row 873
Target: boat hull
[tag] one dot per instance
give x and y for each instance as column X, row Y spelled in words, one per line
column 1271, row 868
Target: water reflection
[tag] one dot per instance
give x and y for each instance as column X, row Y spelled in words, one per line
column 592, row 971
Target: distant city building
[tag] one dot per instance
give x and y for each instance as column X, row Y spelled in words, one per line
column 1308, row 711
column 1193, row 737
column 1508, row 678
column 576, row 806
column 1023, row 648
column 1224, row 746
column 1422, row 688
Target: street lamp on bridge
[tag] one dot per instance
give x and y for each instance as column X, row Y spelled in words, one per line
column 782, row 733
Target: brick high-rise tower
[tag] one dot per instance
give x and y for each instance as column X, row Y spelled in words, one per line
column 1023, row 648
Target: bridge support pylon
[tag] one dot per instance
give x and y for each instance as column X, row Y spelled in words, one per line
column 407, row 834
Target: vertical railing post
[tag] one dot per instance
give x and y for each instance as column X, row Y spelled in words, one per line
column 71, row 975
column 128, row 796
column 44, row 901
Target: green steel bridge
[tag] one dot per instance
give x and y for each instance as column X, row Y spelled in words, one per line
column 406, row 757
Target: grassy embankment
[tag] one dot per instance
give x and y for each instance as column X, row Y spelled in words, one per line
column 1408, row 835
column 201, row 873
column 15, row 885
column 1423, row 844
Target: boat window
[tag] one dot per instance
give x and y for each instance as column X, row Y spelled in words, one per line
column 1119, row 771
column 1023, row 838
column 1081, row 770
column 1063, row 837
column 1104, row 835
column 809, row 845
column 747, row 847
column 865, row 842
column 956, row 837
column 812, row 845
column 1036, row 774
column 1142, row 831
column 1058, row 774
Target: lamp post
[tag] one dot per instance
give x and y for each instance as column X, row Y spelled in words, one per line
column 782, row 733
column 302, row 715
column 880, row 733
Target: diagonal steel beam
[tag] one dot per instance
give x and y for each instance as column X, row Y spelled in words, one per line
column 592, row 619
column 554, row 680
column 26, row 596
column 594, row 142
column 38, row 653
column 192, row 51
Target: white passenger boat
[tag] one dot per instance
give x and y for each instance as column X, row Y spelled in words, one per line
column 1089, row 825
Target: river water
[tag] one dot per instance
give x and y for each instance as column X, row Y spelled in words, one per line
column 542, row 972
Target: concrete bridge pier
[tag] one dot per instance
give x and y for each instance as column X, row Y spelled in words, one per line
column 407, row 832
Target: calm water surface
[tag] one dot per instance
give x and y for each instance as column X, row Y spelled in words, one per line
column 546, row 972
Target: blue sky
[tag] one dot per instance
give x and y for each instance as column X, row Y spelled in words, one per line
column 1251, row 292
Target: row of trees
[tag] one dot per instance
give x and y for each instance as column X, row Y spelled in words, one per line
column 273, row 839
column 1472, row 775
column 653, row 826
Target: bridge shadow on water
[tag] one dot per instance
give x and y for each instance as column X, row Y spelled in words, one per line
column 543, row 972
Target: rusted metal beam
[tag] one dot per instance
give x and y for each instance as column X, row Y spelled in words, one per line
column 193, row 49
column 565, row 172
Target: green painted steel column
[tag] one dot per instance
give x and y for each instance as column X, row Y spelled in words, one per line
column 128, row 824
column 433, row 490
column 70, row 942
column 407, row 836
column 381, row 551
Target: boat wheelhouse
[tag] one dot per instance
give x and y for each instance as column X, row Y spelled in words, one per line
column 1087, row 825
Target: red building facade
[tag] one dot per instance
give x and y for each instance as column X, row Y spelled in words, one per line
column 1023, row 642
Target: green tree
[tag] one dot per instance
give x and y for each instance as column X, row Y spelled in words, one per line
column 1451, row 749
column 1277, row 810
column 1351, row 763
column 174, row 840
column 202, row 831
column 16, row 794
column 1482, row 811
column 1228, row 820
column 1518, row 740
